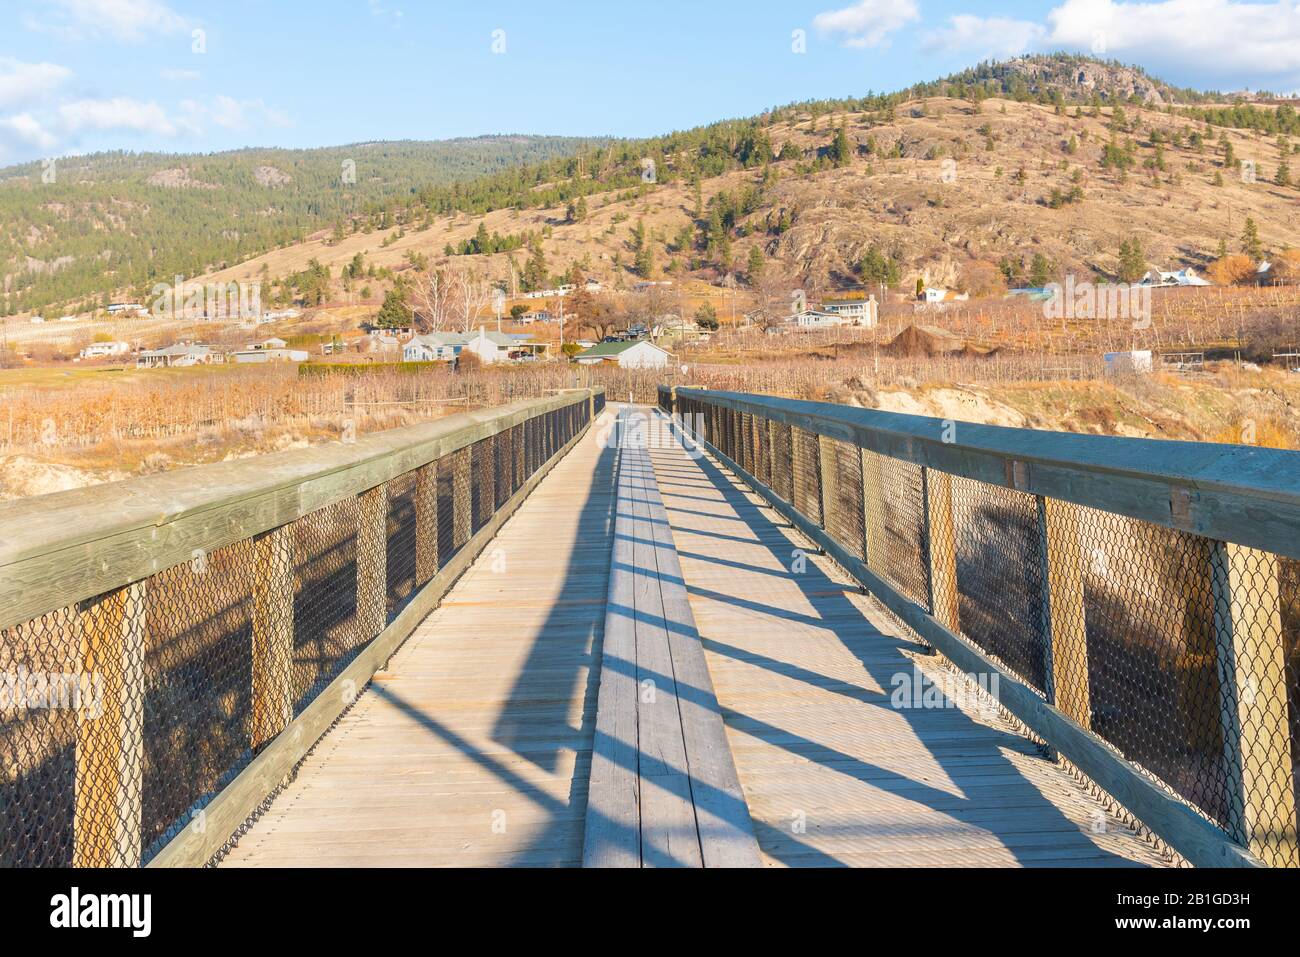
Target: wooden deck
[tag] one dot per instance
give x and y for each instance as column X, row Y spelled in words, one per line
column 804, row 667
column 473, row 749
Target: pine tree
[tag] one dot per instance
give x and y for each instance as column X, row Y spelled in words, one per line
column 1132, row 261
column 756, row 263
column 1250, row 243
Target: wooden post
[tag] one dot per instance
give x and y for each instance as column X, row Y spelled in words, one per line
column 873, row 511
column 1252, row 676
column 1064, row 626
column 426, row 523
column 273, row 593
column 941, row 533
column 110, row 730
column 372, row 562
column 829, row 479
column 462, row 506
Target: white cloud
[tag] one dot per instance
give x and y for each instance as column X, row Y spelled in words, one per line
column 996, row 37
column 129, row 20
column 25, row 131
column 117, row 114
column 868, row 23
column 230, row 114
column 179, row 76
column 22, row 84
column 1206, row 38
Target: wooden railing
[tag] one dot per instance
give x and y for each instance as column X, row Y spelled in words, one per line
column 1137, row 600
column 179, row 642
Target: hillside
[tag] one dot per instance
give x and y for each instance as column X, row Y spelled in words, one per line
column 110, row 221
column 957, row 193
column 963, row 181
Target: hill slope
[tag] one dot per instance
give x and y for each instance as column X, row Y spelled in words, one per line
column 110, row 221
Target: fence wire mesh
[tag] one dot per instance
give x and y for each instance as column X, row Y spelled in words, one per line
column 121, row 717
column 1180, row 651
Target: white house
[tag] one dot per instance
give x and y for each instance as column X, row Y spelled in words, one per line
column 181, row 354
column 105, row 350
column 489, row 346
column 117, row 307
column 1137, row 360
column 433, row 347
column 641, row 354
column 537, row 315
column 1181, row 277
column 861, row 312
column 816, row 319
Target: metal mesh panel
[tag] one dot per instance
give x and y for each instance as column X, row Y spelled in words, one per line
column 895, row 519
column 844, row 516
column 482, row 462
column 38, row 744
column 326, row 630
column 783, row 461
column 400, row 541
column 1000, row 564
column 807, row 475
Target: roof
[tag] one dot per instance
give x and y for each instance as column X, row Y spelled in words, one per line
column 436, row 339
column 617, row 348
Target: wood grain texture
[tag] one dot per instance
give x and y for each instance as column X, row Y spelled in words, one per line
column 834, row 770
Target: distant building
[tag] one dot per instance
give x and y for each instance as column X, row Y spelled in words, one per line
column 123, row 307
column 181, row 354
column 640, row 354
column 490, row 347
column 861, row 312
column 1181, row 277
column 104, row 350
column 536, row 315
column 261, row 354
column 817, row 319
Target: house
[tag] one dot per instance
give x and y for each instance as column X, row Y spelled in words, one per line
column 861, row 312
column 935, row 295
column 259, row 355
column 676, row 329
column 433, row 347
column 816, row 319
column 1181, row 277
column 121, row 307
column 490, row 347
column 37, row 320
column 282, row 314
column 104, row 350
column 536, row 315
column 181, row 354
column 641, row 354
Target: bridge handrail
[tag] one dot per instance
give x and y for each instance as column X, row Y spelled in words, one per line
column 1139, row 600
column 180, row 641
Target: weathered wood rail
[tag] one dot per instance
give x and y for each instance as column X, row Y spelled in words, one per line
column 1138, row 600
column 212, row 623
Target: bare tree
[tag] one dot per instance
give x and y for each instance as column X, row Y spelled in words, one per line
column 432, row 299
column 777, row 294
column 472, row 295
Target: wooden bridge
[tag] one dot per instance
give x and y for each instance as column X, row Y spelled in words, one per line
column 596, row 638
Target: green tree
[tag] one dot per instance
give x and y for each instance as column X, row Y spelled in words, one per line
column 1250, row 242
column 755, row 265
column 395, row 313
column 706, row 317
column 1132, row 260
column 1040, row 271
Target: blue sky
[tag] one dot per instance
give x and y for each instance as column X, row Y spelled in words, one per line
column 84, row 75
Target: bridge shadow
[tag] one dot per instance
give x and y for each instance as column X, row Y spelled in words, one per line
column 990, row 797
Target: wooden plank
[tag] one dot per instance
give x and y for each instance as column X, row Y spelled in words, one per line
column 426, row 523
column 941, row 545
column 1182, row 828
column 372, row 561
column 726, row 832
column 612, row 836
column 110, row 730
column 1256, row 725
column 1063, row 609
column 272, row 654
column 229, row 810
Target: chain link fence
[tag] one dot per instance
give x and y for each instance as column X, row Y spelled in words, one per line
column 122, row 716
column 1180, row 651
